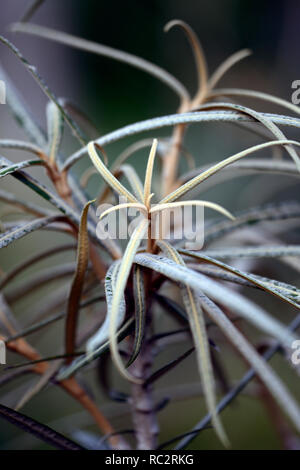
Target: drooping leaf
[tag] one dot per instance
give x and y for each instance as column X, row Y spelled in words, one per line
column 78, row 282
column 264, row 120
column 290, row 291
column 265, row 373
column 103, row 334
column 117, row 303
column 129, row 205
column 175, row 119
column 7, row 170
column 256, row 95
column 198, row 331
column 227, row 65
column 188, row 186
column 140, row 312
column 234, row 301
column 100, row 49
column 200, row 60
column 237, row 389
column 21, row 145
column 211, row 205
column 265, row 285
column 243, row 168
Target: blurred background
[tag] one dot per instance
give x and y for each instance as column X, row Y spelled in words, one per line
column 114, row 95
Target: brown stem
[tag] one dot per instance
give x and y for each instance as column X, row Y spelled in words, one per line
column 170, row 162
column 142, row 403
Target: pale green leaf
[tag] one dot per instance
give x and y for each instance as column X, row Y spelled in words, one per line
column 198, row 330
column 219, row 166
column 121, row 281
column 107, row 175
column 234, row 301
column 263, row 370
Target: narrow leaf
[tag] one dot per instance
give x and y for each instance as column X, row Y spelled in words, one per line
column 181, row 118
column 149, row 172
column 256, row 95
column 219, row 166
column 133, row 179
column 140, row 312
column 265, row 285
column 21, row 145
column 106, row 51
column 78, row 282
column 107, row 175
column 227, row 65
column 7, row 170
column 198, row 330
column 140, row 207
column 265, row 121
column 234, row 301
column 117, row 303
column 200, row 61
column 265, row 373
column 121, row 282
column 211, row 205
column 103, row 334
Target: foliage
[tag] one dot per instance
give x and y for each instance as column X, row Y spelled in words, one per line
column 144, row 278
